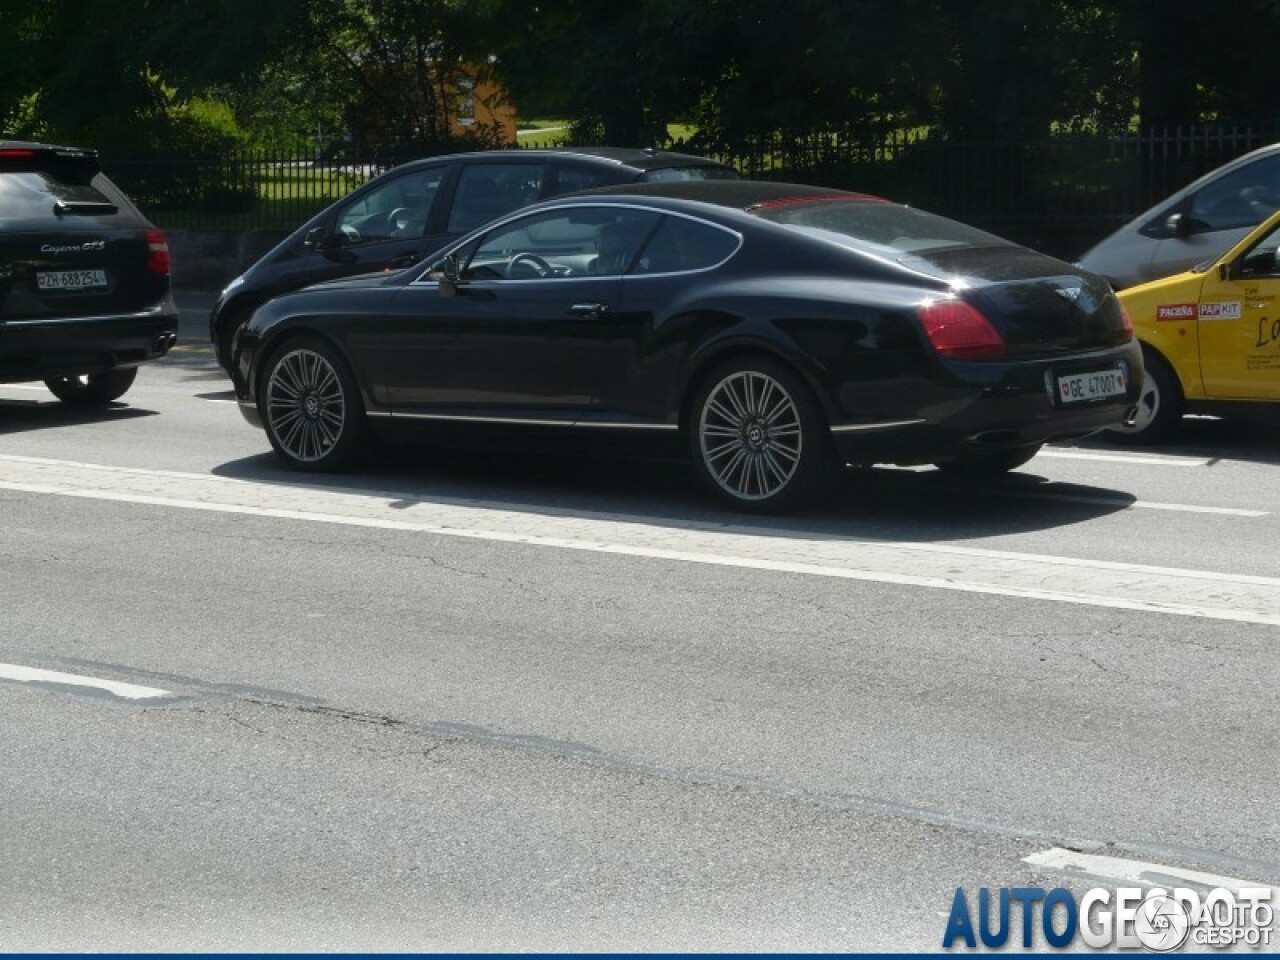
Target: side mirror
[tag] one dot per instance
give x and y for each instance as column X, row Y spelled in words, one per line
column 1179, row 225
column 450, row 276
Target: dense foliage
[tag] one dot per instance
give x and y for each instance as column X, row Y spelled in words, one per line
column 125, row 74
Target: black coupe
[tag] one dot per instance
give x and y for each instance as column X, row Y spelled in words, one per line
column 780, row 330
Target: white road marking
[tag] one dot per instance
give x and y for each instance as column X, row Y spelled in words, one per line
column 1131, row 504
column 26, row 386
column 129, row 691
column 1241, row 598
column 1136, row 872
column 1060, row 454
column 215, row 400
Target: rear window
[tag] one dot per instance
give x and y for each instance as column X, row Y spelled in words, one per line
column 894, row 230
column 668, row 174
column 31, row 194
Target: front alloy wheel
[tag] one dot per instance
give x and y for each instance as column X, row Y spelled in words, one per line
column 758, row 438
column 311, row 408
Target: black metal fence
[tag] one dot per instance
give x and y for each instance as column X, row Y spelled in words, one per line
column 1059, row 194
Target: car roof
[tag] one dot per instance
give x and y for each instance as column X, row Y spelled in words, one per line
column 634, row 157
column 734, row 194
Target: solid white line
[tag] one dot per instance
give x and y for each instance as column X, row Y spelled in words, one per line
column 1132, row 871
column 128, row 691
column 1242, row 598
column 1125, row 458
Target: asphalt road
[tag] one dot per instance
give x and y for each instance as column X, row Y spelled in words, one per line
column 466, row 702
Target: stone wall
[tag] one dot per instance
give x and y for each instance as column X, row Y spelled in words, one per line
column 209, row 260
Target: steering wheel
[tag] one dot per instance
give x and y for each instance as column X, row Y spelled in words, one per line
column 398, row 219
column 540, row 266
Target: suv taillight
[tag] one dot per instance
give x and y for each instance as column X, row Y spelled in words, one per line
column 158, row 253
column 957, row 329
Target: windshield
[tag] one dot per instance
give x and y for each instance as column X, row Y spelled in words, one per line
column 667, row 174
column 892, row 229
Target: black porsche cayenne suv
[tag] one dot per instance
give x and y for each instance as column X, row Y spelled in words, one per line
column 84, row 277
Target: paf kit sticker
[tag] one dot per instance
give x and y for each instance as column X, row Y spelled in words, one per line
column 1227, row 310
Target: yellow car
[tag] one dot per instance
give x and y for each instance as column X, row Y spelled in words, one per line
column 1210, row 338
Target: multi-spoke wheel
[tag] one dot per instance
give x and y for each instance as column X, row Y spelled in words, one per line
column 1159, row 408
column 93, row 389
column 759, row 440
column 311, row 406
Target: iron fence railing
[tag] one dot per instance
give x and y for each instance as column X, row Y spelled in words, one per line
column 1059, row 194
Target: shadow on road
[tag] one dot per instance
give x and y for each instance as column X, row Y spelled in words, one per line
column 17, row 416
column 1252, row 440
column 876, row 504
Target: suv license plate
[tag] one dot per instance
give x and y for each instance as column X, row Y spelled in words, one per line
column 1095, row 385
column 71, row 279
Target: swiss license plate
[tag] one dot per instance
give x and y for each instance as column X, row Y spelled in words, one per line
column 71, row 279
column 1094, row 385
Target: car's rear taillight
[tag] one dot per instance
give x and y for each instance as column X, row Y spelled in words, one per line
column 158, row 253
column 1126, row 321
column 957, row 329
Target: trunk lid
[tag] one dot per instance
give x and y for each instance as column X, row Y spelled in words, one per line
column 1038, row 304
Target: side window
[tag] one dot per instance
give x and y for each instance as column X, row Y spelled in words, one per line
column 568, row 242
column 489, row 190
column 1242, row 198
column 573, row 179
column 682, row 244
column 393, row 210
column 1261, row 260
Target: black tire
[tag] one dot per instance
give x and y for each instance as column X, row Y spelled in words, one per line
column 93, row 389
column 989, row 464
column 227, row 337
column 1160, row 405
column 758, row 438
column 311, row 407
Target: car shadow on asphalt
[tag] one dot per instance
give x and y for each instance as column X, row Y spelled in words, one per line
column 869, row 504
column 20, row 416
column 1253, row 440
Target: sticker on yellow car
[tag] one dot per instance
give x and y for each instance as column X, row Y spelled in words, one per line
column 1229, row 310
column 1176, row 311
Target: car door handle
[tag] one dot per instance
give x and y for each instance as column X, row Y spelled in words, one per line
column 587, row 309
column 402, row 261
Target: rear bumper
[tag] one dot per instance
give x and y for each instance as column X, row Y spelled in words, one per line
column 43, row 348
column 991, row 407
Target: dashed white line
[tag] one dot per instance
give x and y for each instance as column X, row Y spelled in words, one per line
column 127, row 691
column 1138, row 872
column 1060, row 454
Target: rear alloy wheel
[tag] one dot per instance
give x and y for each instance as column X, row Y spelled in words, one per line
column 1159, row 408
column 93, row 389
column 311, row 407
column 989, row 464
column 759, row 441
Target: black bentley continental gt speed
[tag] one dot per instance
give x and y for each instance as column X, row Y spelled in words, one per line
column 779, row 330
